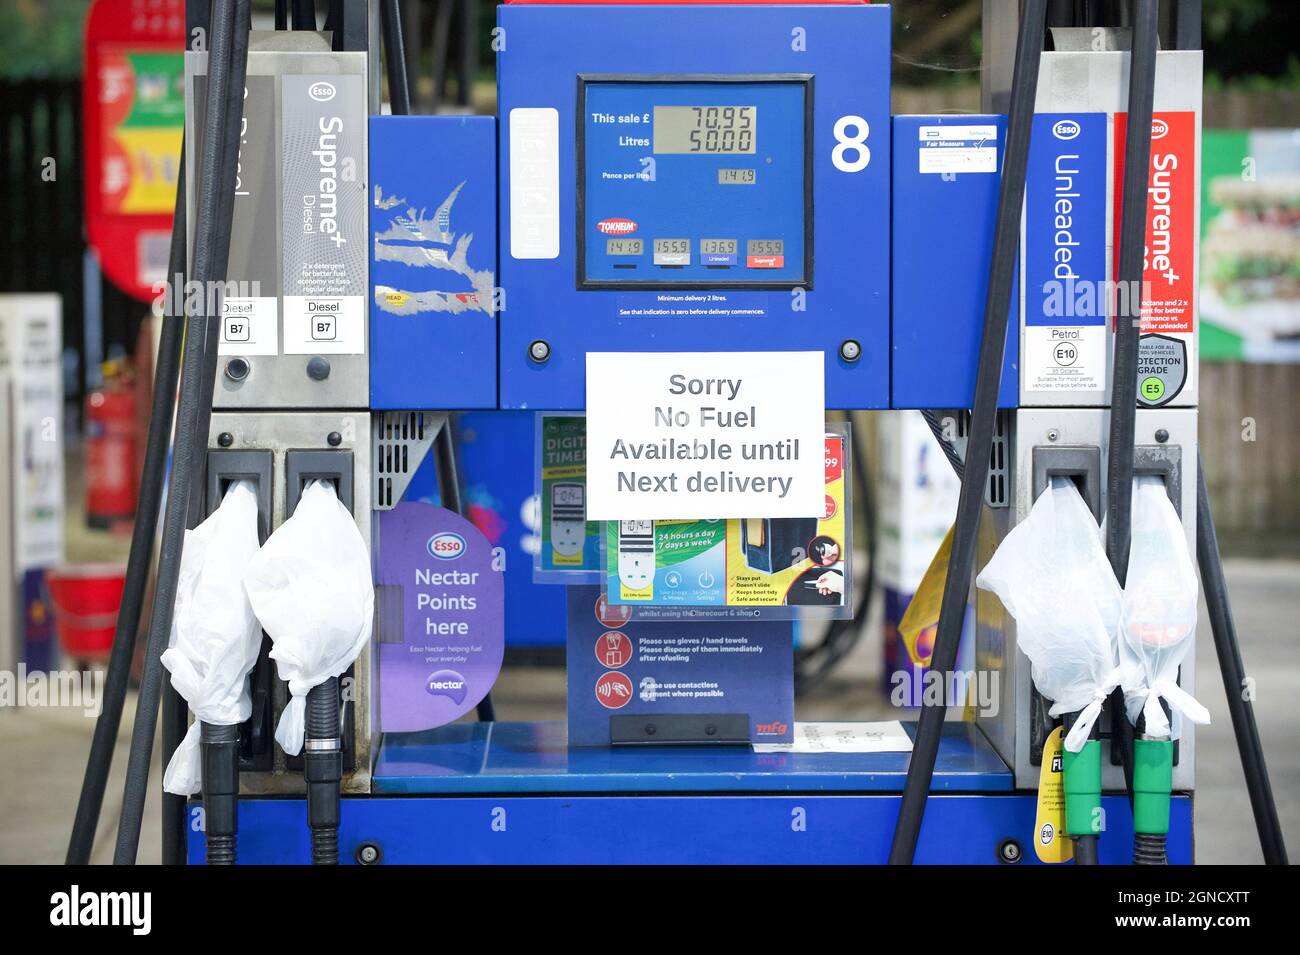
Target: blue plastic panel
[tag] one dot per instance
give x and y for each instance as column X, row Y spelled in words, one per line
column 845, row 50
column 535, row 758
column 496, row 451
column 842, row 829
column 433, row 212
column 942, row 246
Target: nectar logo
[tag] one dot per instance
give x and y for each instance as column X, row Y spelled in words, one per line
column 771, row 729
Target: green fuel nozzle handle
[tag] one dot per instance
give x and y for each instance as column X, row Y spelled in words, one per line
column 1081, row 780
column 1153, row 778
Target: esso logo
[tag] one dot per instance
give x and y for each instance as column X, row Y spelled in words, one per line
column 616, row 226
column 321, row 92
column 446, row 546
column 1159, row 129
column 1066, row 129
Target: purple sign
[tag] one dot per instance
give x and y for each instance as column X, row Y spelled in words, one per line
column 440, row 631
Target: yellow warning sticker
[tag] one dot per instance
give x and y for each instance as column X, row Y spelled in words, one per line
column 1051, row 844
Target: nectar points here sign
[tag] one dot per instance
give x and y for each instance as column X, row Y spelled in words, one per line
column 690, row 435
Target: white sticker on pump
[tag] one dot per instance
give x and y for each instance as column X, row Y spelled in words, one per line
column 535, row 183
column 250, row 325
column 315, row 325
column 958, row 149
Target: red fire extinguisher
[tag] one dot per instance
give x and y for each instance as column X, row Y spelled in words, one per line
column 112, row 480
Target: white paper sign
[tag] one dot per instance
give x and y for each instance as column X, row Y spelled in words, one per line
column 690, row 435
column 887, row 737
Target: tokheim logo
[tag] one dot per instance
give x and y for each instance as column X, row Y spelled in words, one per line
column 1159, row 129
column 616, row 226
column 770, row 729
column 321, row 92
column 1066, row 129
column 447, row 546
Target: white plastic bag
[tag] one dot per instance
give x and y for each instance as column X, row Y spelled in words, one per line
column 1052, row 576
column 215, row 638
column 1158, row 624
column 311, row 587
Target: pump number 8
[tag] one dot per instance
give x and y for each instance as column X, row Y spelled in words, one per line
column 855, row 144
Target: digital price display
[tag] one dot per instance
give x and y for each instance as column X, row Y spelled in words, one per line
column 705, row 129
column 624, row 247
column 658, row 162
column 672, row 251
column 737, row 177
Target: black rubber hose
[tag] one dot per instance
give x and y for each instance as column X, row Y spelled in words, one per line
column 304, row 14
column 322, row 767
column 1128, row 327
column 399, row 88
column 1233, row 670
column 219, row 748
column 173, row 805
column 949, row 449
column 210, row 235
column 95, row 780
column 997, row 306
column 1085, row 850
column 282, row 14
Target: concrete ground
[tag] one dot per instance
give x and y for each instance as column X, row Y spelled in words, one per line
column 43, row 751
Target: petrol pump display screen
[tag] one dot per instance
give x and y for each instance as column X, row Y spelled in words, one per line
column 694, row 183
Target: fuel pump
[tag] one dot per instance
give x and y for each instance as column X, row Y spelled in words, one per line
column 728, row 176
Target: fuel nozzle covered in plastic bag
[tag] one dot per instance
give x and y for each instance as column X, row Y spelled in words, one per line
column 1158, row 624
column 1052, row 576
column 311, row 588
column 1157, row 627
column 215, row 638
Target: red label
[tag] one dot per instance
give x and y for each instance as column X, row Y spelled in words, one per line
column 834, row 459
column 614, row 690
column 766, row 261
column 1169, row 294
column 613, row 649
column 616, row 226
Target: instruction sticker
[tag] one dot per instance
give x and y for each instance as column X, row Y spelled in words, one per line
column 325, row 201
column 1050, row 841
column 955, row 149
column 675, row 435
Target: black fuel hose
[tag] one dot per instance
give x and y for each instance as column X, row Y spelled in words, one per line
column 220, row 743
column 925, row 745
column 322, row 768
column 211, row 235
column 140, row 558
column 1233, row 670
column 1128, row 327
column 304, row 14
